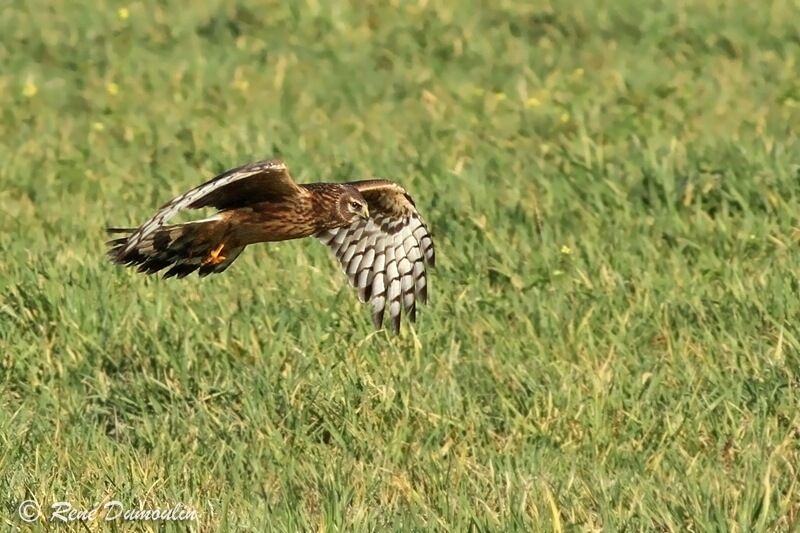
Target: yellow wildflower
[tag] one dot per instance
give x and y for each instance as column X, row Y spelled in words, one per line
column 30, row 89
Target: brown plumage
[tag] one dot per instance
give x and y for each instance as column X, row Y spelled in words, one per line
column 372, row 227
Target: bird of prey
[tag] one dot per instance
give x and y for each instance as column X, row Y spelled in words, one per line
column 372, row 227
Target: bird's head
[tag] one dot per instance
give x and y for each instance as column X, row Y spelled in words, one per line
column 352, row 206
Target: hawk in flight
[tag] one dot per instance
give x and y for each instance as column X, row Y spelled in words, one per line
column 372, row 227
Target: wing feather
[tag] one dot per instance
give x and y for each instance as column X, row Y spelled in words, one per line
column 238, row 187
column 385, row 257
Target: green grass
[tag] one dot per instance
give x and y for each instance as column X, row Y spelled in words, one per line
column 612, row 341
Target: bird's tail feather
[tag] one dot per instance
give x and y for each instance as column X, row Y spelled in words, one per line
column 182, row 247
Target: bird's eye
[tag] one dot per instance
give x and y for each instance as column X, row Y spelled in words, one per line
column 355, row 205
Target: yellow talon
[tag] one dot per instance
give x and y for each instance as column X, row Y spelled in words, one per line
column 214, row 258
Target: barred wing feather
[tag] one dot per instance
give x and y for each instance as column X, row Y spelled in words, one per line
column 237, row 187
column 386, row 256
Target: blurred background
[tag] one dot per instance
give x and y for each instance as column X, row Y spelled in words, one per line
column 611, row 343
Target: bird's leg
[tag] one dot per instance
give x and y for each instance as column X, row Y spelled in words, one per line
column 215, row 257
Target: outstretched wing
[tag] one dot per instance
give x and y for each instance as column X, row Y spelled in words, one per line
column 386, row 256
column 238, row 187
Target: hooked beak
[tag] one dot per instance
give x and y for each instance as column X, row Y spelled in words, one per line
column 364, row 213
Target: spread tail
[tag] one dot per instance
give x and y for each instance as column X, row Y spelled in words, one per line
column 182, row 247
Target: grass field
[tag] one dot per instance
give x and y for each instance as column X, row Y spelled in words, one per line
column 612, row 340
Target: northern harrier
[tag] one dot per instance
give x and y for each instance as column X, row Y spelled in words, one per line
column 372, row 227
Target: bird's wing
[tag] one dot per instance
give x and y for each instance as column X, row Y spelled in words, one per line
column 238, row 187
column 386, row 256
